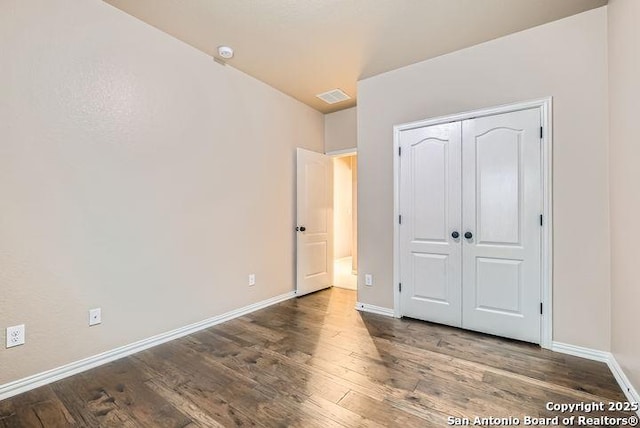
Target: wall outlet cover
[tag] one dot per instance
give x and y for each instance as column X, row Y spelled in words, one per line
column 252, row 279
column 95, row 316
column 15, row 335
column 368, row 279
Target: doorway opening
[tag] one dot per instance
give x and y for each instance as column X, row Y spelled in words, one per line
column 345, row 221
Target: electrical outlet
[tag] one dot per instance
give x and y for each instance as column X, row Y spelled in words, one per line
column 252, row 279
column 15, row 335
column 368, row 279
column 95, row 316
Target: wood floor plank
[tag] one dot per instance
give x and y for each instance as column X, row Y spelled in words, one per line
column 209, row 391
column 202, row 404
column 316, row 362
column 183, row 404
column 283, row 374
column 90, row 407
column 116, row 395
column 536, row 367
column 35, row 409
column 381, row 411
column 341, row 415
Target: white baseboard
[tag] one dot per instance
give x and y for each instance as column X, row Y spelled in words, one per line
column 606, row 357
column 22, row 385
column 579, row 351
column 625, row 384
column 364, row 307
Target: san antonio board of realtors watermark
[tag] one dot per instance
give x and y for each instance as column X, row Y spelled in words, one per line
column 565, row 418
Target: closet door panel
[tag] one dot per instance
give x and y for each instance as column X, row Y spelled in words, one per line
column 502, row 202
column 430, row 197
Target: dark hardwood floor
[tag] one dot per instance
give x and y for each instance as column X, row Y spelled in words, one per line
column 316, row 362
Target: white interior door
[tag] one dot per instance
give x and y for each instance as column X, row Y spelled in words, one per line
column 502, row 204
column 430, row 197
column 314, row 222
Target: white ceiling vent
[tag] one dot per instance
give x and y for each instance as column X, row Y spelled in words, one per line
column 333, row 96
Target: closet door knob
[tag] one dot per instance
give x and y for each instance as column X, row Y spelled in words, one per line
column 302, row 228
column 468, row 235
column 455, row 235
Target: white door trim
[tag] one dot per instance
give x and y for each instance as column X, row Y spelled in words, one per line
column 342, row 153
column 545, row 106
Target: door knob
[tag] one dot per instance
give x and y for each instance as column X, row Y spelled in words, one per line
column 455, row 235
column 302, row 228
column 468, row 235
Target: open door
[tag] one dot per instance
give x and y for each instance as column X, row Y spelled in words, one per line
column 314, row 222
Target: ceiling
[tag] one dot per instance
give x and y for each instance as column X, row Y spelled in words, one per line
column 305, row 47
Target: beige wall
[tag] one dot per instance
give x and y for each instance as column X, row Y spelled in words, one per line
column 566, row 59
column 136, row 175
column 342, row 207
column 340, row 130
column 624, row 96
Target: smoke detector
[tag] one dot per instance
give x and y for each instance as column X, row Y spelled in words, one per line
column 333, row 96
column 225, row 52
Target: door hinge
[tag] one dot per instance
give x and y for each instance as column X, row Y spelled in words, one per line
column 540, row 308
column 541, row 133
column 399, row 219
column 400, row 287
column 399, row 151
column 541, row 220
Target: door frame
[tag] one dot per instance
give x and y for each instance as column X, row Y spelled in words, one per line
column 545, row 105
column 336, row 154
column 342, row 152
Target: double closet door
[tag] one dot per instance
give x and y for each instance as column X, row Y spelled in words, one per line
column 470, row 234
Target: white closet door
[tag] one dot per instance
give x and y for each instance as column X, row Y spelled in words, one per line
column 502, row 203
column 430, row 197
